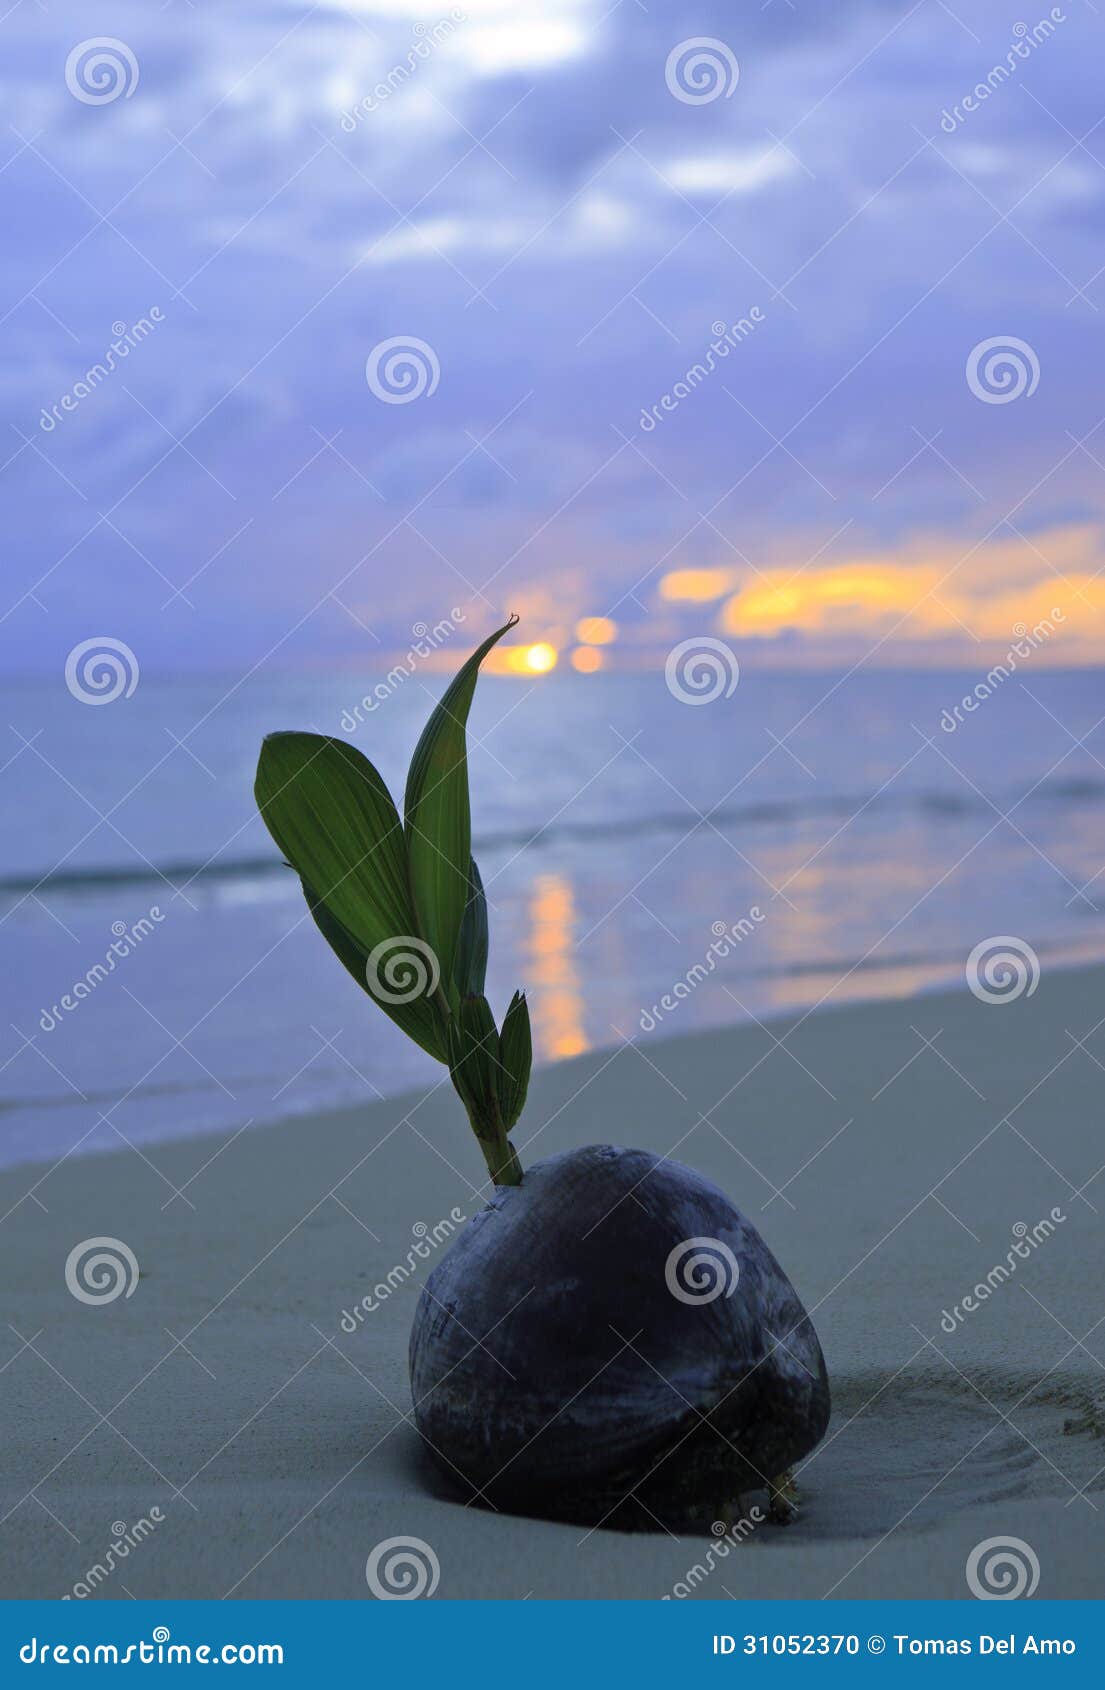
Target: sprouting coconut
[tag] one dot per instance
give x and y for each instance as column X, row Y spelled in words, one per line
column 608, row 1341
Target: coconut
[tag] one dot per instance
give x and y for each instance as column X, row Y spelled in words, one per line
column 612, row 1342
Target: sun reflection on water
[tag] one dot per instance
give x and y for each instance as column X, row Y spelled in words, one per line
column 557, row 999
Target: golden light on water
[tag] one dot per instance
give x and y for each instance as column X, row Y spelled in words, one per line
column 587, row 660
column 557, row 998
column 596, row 630
column 695, row 586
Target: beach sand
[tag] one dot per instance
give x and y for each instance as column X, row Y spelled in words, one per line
column 887, row 1152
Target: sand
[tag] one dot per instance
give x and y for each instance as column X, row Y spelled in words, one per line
column 890, row 1154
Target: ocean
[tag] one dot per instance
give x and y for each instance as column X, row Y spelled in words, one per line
column 652, row 867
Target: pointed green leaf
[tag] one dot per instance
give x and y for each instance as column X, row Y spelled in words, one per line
column 437, row 816
column 515, row 1060
column 474, row 1055
column 461, row 1079
column 343, row 944
column 334, row 820
column 397, row 964
column 470, row 967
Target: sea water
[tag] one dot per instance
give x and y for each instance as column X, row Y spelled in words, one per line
column 652, row 867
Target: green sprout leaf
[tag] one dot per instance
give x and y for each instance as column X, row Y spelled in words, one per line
column 401, row 903
column 333, row 818
column 470, row 967
column 474, row 1057
column 438, row 818
column 515, row 1060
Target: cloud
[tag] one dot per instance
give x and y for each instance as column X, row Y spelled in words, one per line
column 729, row 172
column 519, row 189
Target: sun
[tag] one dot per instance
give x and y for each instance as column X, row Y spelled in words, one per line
column 540, row 658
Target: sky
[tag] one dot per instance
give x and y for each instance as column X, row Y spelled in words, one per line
column 417, row 307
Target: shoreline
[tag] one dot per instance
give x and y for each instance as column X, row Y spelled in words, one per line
column 944, row 974
column 886, row 1150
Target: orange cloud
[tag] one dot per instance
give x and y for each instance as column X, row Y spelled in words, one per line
column 695, row 586
column 596, row 630
column 938, row 591
column 854, row 597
